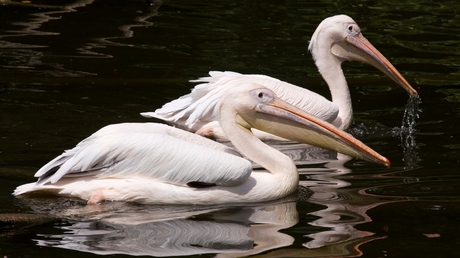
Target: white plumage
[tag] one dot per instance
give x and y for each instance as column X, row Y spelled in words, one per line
column 337, row 39
column 198, row 110
column 159, row 150
column 155, row 163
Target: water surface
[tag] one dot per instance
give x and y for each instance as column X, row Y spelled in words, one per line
column 67, row 69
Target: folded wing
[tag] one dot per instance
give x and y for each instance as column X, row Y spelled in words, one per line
column 149, row 150
column 198, row 108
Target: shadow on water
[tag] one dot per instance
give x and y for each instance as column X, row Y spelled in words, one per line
column 65, row 72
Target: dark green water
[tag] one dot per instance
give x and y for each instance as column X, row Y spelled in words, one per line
column 67, row 70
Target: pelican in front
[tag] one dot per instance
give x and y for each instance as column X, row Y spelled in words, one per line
column 156, row 163
column 337, row 39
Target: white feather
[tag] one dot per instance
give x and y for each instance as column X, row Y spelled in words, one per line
column 149, row 150
column 198, row 108
column 337, row 39
column 155, row 163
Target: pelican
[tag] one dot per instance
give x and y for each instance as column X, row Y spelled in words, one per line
column 337, row 39
column 157, row 163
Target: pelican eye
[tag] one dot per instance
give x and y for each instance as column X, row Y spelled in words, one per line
column 352, row 29
column 262, row 95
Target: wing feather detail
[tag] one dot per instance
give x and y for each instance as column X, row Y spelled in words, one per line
column 199, row 107
column 149, row 150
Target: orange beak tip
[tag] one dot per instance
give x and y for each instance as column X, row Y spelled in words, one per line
column 387, row 162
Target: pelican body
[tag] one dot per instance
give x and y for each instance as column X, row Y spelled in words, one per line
column 156, row 163
column 337, row 39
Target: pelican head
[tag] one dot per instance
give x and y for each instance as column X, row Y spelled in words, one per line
column 340, row 38
column 254, row 106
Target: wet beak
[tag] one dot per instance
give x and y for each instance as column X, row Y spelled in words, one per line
column 359, row 48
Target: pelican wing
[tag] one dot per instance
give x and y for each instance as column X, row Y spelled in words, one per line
column 149, row 150
column 193, row 110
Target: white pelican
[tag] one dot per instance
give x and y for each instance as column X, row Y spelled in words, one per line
column 156, row 163
column 337, row 39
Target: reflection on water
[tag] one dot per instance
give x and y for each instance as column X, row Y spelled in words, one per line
column 57, row 62
column 177, row 231
column 229, row 231
column 23, row 53
column 28, row 57
column 345, row 208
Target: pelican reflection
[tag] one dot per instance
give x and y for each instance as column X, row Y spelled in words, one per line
column 330, row 214
column 175, row 231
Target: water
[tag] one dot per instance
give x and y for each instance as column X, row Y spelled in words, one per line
column 67, row 70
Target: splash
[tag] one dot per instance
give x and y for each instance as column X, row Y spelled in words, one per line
column 407, row 132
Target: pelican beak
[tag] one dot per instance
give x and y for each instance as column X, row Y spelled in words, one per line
column 284, row 120
column 360, row 49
